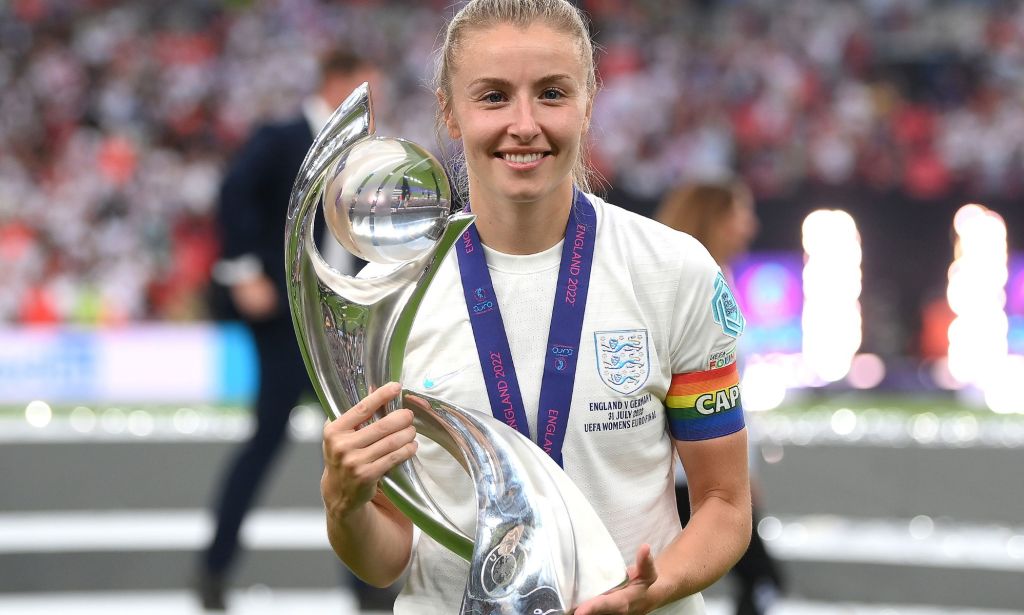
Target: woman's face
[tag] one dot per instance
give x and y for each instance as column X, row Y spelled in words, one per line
column 521, row 108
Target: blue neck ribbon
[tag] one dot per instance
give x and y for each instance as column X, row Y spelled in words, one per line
column 563, row 346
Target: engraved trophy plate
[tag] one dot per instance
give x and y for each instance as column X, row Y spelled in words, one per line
column 539, row 547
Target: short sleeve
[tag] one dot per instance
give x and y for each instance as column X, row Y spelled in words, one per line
column 703, row 400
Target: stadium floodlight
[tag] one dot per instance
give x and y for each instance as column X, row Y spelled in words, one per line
column 832, row 287
column 978, row 342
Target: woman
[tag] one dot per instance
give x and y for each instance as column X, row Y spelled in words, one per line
column 634, row 312
column 719, row 215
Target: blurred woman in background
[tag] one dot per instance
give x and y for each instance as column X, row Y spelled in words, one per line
column 719, row 215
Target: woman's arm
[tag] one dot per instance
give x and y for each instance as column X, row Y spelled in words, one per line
column 365, row 529
column 712, row 542
column 720, row 519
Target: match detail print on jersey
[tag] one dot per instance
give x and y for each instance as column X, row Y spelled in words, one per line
column 705, row 405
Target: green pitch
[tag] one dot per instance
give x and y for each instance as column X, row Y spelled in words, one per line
column 799, row 402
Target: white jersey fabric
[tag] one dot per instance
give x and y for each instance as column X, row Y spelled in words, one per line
column 651, row 286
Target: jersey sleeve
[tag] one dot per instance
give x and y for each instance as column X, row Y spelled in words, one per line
column 703, row 400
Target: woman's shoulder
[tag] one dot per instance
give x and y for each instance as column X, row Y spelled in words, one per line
column 648, row 237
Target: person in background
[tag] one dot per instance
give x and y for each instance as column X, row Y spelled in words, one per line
column 721, row 216
column 251, row 218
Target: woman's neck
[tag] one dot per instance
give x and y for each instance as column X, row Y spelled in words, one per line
column 522, row 228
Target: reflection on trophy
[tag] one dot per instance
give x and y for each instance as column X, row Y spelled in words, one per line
column 539, row 547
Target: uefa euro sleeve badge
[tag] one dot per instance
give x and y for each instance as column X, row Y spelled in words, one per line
column 725, row 310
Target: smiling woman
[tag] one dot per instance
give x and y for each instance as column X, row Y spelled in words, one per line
column 553, row 16
column 582, row 322
column 519, row 99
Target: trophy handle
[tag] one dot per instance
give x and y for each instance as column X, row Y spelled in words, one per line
column 337, row 317
column 351, row 122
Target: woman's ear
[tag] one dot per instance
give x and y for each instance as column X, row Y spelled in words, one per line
column 446, row 114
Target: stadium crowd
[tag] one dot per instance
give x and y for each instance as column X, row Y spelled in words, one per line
column 117, row 118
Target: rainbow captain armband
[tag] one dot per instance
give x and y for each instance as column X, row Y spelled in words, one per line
column 705, row 405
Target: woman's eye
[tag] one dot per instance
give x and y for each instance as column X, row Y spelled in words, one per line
column 551, row 94
column 494, row 97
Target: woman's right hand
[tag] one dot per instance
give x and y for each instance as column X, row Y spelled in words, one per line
column 355, row 457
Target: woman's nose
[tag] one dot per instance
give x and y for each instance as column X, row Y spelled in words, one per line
column 524, row 123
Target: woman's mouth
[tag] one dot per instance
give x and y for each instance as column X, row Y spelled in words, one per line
column 522, row 160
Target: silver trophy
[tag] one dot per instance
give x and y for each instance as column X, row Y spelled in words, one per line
column 539, row 547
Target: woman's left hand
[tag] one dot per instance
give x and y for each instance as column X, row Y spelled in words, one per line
column 634, row 597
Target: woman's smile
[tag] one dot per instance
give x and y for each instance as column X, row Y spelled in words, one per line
column 522, row 161
column 521, row 108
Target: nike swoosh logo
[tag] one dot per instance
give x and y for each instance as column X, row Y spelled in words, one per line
column 430, row 383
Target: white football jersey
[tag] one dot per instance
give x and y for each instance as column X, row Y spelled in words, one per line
column 654, row 311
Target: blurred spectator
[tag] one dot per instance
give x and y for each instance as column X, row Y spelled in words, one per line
column 116, row 118
column 721, row 216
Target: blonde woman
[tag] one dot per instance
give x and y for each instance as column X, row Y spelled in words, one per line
column 640, row 311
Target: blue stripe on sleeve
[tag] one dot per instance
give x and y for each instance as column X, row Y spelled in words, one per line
column 707, row 427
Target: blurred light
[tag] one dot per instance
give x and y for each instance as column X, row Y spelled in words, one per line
column 921, row 527
column 305, row 421
column 38, row 413
column 965, row 428
column 140, row 423
column 979, row 333
column 186, row 420
column 924, row 427
column 113, row 420
column 234, row 428
column 943, row 377
column 1015, row 303
column 1015, row 547
column 260, row 593
column 769, row 528
column 772, row 292
column 832, row 287
column 844, row 421
column 952, row 548
column 764, row 387
column 769, row 289
column 1004, row 386
column 804, row 431
column 866, row 372
column 82, row 419
column 796, row 533
column 772, row 453
column 1010, row 433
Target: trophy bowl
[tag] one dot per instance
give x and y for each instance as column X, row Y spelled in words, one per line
column 387, row 200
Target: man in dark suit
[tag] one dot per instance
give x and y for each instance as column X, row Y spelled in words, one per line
column 251, row 217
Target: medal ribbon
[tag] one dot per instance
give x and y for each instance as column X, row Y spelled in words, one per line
column 564, row 335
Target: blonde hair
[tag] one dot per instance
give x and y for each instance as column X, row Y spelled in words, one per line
column 559, row 15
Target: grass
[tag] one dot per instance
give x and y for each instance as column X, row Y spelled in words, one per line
column 907, row 404
column 798, row 403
